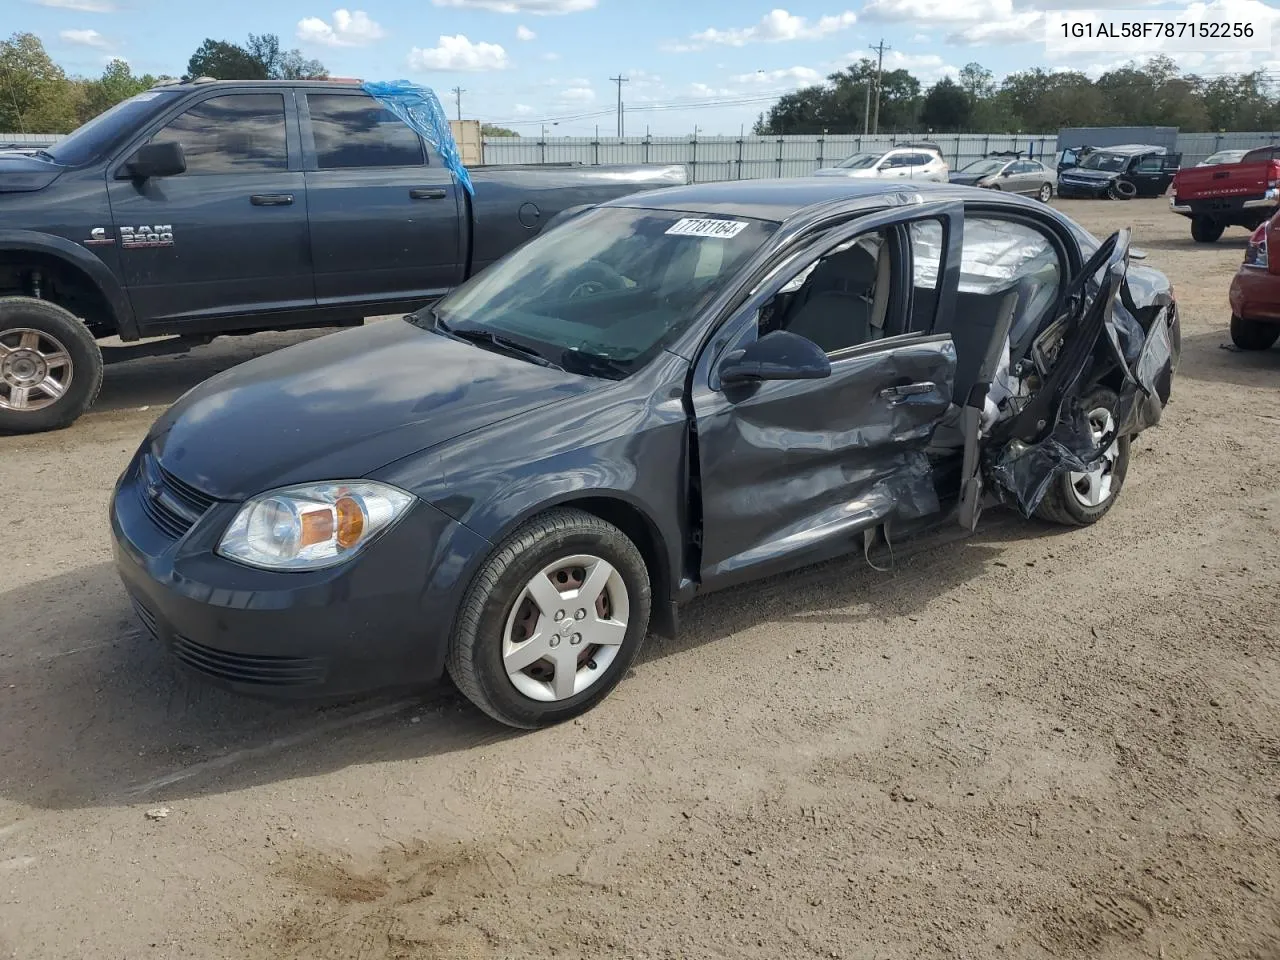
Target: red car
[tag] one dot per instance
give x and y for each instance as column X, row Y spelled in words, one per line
column 1255, row 292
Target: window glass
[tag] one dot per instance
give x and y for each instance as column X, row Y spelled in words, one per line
column 94, row 138
column 236, row 133
column 1149, row 165
column 601, row 295
column 926, row 272
column 357, row 131
column 843, row 300
column 897, row 160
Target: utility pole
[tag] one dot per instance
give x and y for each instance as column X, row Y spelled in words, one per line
column 866, row 111
column 879, row 73
column 457, row 93
column 620, row 80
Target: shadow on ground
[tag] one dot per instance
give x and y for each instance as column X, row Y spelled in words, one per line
column 1212, row 358
column 95, row 712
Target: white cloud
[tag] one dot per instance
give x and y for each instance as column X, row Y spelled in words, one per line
column 922, row 38
column 350, row 28
column 550, row 56
column 1025, row 27
column 523, row 110
column 524, row 33
column 459, row 54
column 86, row 38
column 925, row 66
column 84, row 6
column 938, row 11
column 774, row 27
column 539, row 8
column 794, row 76
column 579, row 91
column 703, row 90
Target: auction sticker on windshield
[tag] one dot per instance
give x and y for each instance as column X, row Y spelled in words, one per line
column 695, row 227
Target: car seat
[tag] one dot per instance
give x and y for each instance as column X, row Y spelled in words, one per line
column 845, row 300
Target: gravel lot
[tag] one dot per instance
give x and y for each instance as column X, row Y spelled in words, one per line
column 1027, row 743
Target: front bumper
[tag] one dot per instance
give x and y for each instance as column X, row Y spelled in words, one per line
column 381, row 620
column 1255, row 295
column 1068, row 190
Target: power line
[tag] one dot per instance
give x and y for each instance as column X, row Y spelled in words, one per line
column 620, row 80
column 457, row 93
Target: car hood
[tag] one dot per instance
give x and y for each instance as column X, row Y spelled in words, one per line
column 22, row 173
column 967, row 178
column 343, row 405
column 843, row 172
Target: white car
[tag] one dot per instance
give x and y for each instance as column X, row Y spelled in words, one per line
column 913, row 161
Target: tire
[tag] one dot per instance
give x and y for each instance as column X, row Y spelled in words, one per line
column 1122, row 190
column 1206, row 229
column 1045, row 193
column 1252, row 335
column 496, row 604
column 45, row 344
column 1064, row 504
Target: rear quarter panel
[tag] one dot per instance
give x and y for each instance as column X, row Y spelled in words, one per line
column 1224, row 180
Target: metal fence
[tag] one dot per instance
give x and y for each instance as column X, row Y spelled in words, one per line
column 747, row 158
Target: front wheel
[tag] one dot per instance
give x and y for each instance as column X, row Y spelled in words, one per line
column 1079, row 499
column 1252, row 335
column 50, row 366
column 552, row 621
column 1206, row 229
column 1122, row 190
column 1046, row 193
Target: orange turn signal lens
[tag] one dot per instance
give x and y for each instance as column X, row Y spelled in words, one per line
column 350, row 522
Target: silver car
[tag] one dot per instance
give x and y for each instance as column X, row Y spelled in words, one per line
column 1011, row 174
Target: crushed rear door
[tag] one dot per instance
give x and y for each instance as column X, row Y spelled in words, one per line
column 1051, row 434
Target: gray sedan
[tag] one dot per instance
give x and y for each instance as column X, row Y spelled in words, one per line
column 1010, row 174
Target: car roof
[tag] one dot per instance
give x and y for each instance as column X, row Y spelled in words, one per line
column 780, row 200
column 1130, row 148
column 201, row 83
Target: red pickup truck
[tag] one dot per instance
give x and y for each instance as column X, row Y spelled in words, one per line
column 1243, row 194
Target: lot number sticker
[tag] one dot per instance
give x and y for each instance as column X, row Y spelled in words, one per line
column 694, row 227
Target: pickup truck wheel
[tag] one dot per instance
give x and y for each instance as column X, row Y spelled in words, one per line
column 1252, row 335
column 552, row 621
column 50, row 366
column 1206, row 229
column 1079, row 499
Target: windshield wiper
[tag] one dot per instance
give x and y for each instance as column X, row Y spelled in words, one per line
column 593, row 365
column 495, row 340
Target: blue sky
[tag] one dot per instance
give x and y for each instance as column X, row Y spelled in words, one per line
column 710, row 64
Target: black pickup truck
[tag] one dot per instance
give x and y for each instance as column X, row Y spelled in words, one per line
column 209, row 208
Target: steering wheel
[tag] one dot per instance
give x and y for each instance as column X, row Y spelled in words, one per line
column 595, row 278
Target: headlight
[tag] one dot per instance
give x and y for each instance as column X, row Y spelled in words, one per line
column 311, row 526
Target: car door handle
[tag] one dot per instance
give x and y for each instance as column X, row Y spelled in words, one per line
column 271, row 199
column 902, row 391
column 428, row 193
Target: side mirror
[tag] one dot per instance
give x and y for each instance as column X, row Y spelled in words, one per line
column 776, row 356
column 157, row 160
column 1005, row 173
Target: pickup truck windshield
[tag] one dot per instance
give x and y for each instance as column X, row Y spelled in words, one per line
column 1108, row 162
column 91, row 140
column 859, row 161
column 602, row 294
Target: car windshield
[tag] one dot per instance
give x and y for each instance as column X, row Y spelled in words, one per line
column 91, row 140
column 603, row 293
column 1108, row 162
column 1226, row 156
column 859, row 161
column 984, row 166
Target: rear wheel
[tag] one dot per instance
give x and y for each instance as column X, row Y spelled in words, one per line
column 1252, row 335
column 1206, row 229
column 50, row 366
column 1046, row 193
column 1079, row 499
column 553, row 620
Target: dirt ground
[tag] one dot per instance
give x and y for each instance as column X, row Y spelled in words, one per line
column 1029, row 743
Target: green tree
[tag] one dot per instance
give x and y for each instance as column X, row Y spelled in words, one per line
column 116, row 83
column 490, row 130
column 225, row 61
column 283, row 64
column 1238, row 103
column 977, row 81
column 947, row 107
column 35, row 94
column 839, row 106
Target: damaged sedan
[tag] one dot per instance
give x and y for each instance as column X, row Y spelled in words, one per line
column 661, row 396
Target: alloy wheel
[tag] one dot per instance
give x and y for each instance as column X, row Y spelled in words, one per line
column 35, row 369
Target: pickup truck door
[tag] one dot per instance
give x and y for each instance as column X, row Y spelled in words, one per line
column 228, row 236
column 385, row 213
column 792, row 471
